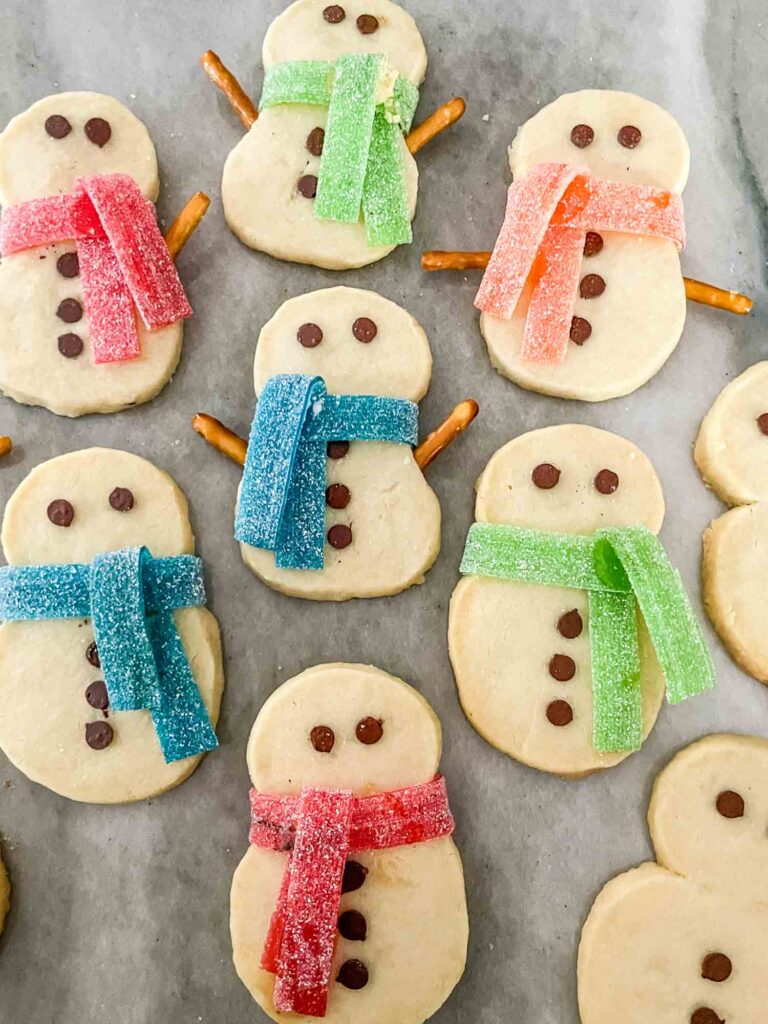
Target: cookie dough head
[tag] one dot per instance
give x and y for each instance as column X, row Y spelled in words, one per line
column 367, row 346
column 503, row 634
column 69, row 135
column 111, row 500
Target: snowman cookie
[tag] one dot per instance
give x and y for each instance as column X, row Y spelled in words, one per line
column 349, row 903
column 731, row 453
column 324, row 175
column 91, row 307
column 680, row 940
column 565, row 626
column 103, row 603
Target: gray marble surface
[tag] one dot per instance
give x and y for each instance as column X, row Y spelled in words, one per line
column 121, row 914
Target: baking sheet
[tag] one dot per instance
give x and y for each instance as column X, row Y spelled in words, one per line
column 121, row 914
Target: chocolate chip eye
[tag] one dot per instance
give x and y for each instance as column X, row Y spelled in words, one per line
column 545, row 476
column 98, row 131
column 364, row 329
column 60, row 512
column 309, row 335
column 121, row 499
column 334, row 14
column 606, row 481
column 57, row 126
column 730, row 804
column 322, row 739
column 369, row 731
column 582, row 135
column 762, row 423
column 367, row 24
column 629, row 136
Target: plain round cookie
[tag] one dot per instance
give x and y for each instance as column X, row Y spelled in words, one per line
column 44, row 670
column 502, row 634
column 5, row 893
column 34, row 165
column 412, row 897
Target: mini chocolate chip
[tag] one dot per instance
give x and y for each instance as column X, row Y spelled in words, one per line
column 68, row 265
column 353, row 974
column 337, row 449
column 545, row 476
column 704, row 1015
column 606, row 481
column 339, row 536
column 337, row 496
column 307, row 185
column 309, row 335
column 315, row 141
column 364, row 330
column 367, row 24
column 629, row 136
column 92, row 655
column 121, row 499
column 355, row 874
column 582, row 135
column 730, row 804
column 322, row 739
column 57, row 126
column 70, row 311
column 762, row 423
column 98, row 735
column 60, row 512
column 353, row 926
column 570, row 625
column 334, row 14
column 559, row 712
column 70, row 345
column 591, row 286
column 716, row 967
column 593, row 243
column 562, row 668
column 580, row 329
column 98, row 131
column 369, row 730
column 97, row 695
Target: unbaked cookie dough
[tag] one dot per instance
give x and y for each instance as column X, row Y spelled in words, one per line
column 45, row 356
column 354, row 727
column 51, row 687
column 634, row 324
column 368, row 346
column 680, row 940
column 731, row 453
column 503, row 635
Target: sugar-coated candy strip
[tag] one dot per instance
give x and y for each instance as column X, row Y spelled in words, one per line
column 415, row 814
column 555, row 282
column 385, row 199
column 617, row 707
column 632, row 209
column 36, row 222
column 114, row 336
column 297, row 81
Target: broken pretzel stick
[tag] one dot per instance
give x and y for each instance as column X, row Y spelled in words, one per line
column 220, row 437
column 222, row 77
column 436, row 123
column 6, row 446
column 696, row 291
column 179, row 233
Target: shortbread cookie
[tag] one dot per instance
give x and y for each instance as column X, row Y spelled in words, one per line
column 63, row 729
column 680, row 940
column 335, row 740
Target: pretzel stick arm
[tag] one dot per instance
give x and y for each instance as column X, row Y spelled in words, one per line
column 180, row 232
column 220, row 437
column 6, row 446
column 454, row 260
column 456, row 423
column 436, row 123
column 222, row 78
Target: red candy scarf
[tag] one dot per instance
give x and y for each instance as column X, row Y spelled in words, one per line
column 319, row 829
column 124, row 262
column 541, row 244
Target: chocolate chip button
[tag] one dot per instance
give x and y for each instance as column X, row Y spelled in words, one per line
column 337, row 449
column 355, row 874
column 582, row 135
column 629, row 136
column 98, row 131
column 705, row 1015
column 121, row 499
column 309, row 335
column 315, row 141
column 591, row 286
column 606, row 481
column 70, row 345
column 307, row 185
column 339, row 536
column 570, row 625
column 364, row 330
column 337, row 496
column 97, row 695
column 60, row 512
column 545, row 476
column 68, row 265
column 70, row 311
column 562, row 668
column 593, row 243
column 730, row 804
column 57, row 126
column 716, row 967
column 322, row 739
column 559, row 712
column 353, row 974
column 98, row 735
column 353, row 926
column 580, row 329
column 762, row 423
column 369, row 731
column 92, row 655
column 367, row 24
column 334, row 14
